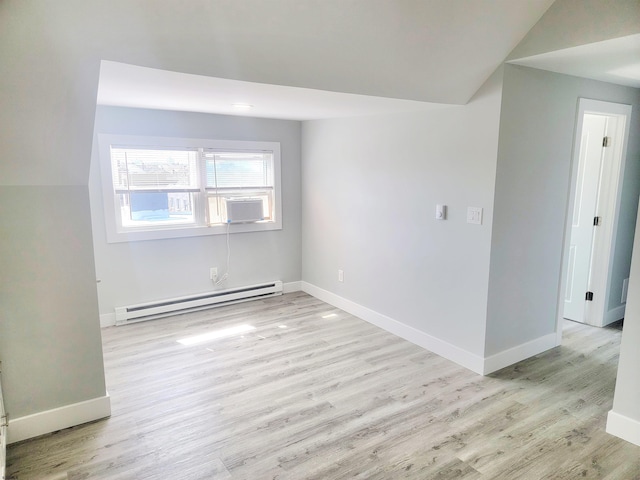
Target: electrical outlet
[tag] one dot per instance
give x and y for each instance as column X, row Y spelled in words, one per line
column 474, row 215
column 213, row 273
column 340, row 275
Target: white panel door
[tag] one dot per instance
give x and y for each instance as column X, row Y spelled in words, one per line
column 584, row 211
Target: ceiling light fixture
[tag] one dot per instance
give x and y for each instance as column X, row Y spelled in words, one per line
column 242, row 106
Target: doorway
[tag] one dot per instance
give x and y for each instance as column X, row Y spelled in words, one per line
column 592, row 223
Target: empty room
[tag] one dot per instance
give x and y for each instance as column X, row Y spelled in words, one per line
column 303, row 239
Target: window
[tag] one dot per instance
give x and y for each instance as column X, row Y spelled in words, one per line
column 164, row 187
column 238, row 175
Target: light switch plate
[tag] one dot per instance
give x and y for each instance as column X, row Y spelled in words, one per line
column 474, row 215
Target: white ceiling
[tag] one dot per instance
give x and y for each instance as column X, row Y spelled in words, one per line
column 142, row 87
column 614, row 61
column 332, row 58
column 305, row 59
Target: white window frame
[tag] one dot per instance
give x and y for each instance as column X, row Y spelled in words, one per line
column 116, row 233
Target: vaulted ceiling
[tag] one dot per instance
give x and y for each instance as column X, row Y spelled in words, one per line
column 433, row 51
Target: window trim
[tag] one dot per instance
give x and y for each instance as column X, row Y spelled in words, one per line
column 116, row 235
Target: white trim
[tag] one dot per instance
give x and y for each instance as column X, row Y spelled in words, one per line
column 49, row 421
column 518, row 353
column 450, row 352
column 107, row 320
column 623, row 427
column 614, row 315
column 559, row 332
column 290, row 287
column 473, row 362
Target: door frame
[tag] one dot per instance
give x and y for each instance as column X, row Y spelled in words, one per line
column 602, row 253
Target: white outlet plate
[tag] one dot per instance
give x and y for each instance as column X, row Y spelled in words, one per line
column 213, row 273
column 474, row 215
column 340, row 275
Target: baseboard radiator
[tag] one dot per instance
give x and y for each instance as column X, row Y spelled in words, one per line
column 174, row 306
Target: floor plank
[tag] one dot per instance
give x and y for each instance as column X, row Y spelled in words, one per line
column 315, row 393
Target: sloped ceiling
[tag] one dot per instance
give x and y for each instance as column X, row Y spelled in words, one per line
column 142, row 87
column 613, row 61
column 433, row 51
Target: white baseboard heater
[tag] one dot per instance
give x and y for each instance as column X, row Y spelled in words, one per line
column 174, row 306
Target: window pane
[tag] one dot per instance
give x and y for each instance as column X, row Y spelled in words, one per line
column 237, row 170
column 149, row 206
column 146, row 169
column 139, row 209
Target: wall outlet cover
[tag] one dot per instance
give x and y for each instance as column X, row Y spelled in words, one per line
column 474, row 215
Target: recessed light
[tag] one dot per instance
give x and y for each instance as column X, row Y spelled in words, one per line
column 242, row 106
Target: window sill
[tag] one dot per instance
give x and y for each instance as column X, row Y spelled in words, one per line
column 196, row 231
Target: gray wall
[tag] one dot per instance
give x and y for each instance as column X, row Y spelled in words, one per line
column 136, row 272
column 370, row 186
column 49, row 331
column 532, row 184
column 49, row 328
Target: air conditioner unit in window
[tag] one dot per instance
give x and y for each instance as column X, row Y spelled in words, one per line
column 244, row 210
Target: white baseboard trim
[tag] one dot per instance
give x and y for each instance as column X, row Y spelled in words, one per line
column 450, row 352
column 518, row 353
column 49, row 421
column 290, row 287
column 107, row 320
column 623, row 427
column 614, row 315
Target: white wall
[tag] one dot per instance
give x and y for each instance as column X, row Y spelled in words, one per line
column 370, row 186
column 137, row 272
column 624, row 418
column 537, row 126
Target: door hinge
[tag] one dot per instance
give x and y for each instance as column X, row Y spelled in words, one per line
column 589, row 297
column 596, row 221
column 606, row 141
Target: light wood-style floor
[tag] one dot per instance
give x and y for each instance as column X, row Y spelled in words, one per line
column 315, row 393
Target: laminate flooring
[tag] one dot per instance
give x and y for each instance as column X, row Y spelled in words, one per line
column 311, row 392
